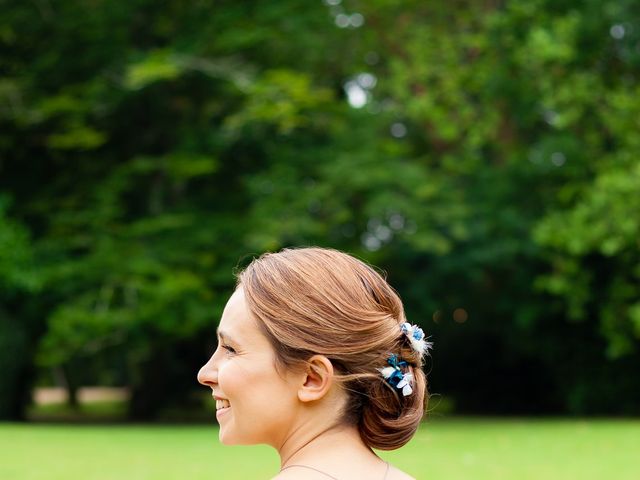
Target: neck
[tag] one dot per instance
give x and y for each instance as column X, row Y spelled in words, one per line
column 324, row 446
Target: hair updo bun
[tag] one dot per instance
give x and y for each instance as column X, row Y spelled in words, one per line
column 320, row 301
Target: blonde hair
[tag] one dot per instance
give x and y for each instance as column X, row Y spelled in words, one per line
column 320, row 301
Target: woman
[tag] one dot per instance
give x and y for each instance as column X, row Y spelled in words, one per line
column 315, row 358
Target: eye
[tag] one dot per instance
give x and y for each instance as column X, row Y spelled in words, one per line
column 230, row 350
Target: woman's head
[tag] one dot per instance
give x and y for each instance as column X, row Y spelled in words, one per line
column 255, row 403
column 314, row 301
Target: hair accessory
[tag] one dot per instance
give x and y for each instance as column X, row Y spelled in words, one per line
column 393, row 374
column 416, row 337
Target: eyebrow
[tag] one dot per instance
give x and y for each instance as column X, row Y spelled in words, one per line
column 225, row 336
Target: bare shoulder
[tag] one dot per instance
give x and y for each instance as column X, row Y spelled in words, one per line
column 396, row 474
column 302, row 474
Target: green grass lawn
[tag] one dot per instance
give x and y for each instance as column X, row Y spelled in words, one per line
column 445, row 448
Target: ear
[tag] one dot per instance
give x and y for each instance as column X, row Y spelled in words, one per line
column 317, row 380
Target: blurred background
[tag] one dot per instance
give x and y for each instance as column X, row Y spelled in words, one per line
column 485, row 154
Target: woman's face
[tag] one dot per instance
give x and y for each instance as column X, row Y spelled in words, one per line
column 254, row 403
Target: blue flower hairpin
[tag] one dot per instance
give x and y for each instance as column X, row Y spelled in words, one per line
column 416, row 337
column 393, row 374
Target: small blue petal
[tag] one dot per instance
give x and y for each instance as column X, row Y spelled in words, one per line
column 418, row 334
column 395, row 378
column 393, row 360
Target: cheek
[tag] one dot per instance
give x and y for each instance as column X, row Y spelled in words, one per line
column 258, row 394
column 261, row 403
column 244, row 383
column 230, row 379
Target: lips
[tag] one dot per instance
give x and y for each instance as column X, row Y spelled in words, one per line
column 222, row 406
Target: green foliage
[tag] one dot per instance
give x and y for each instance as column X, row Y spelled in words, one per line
column 603, row 223
column 280, row 98
column 492, row 167
column 17, row 271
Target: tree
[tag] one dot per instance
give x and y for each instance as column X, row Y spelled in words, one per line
column 482, row 153
column 18, row 279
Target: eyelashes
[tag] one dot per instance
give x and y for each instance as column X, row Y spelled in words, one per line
column 229, row 349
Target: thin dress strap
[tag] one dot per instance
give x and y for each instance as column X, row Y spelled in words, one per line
column 310, row 468
column 386, row 472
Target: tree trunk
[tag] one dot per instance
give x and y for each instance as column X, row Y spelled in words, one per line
column 16, row 369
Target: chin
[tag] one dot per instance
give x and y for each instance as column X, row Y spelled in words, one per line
column 225, row 438
column 229, row 438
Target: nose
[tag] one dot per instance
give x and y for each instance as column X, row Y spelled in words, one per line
column 208, row 374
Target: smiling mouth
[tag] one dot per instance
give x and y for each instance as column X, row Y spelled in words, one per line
column 222, row 404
